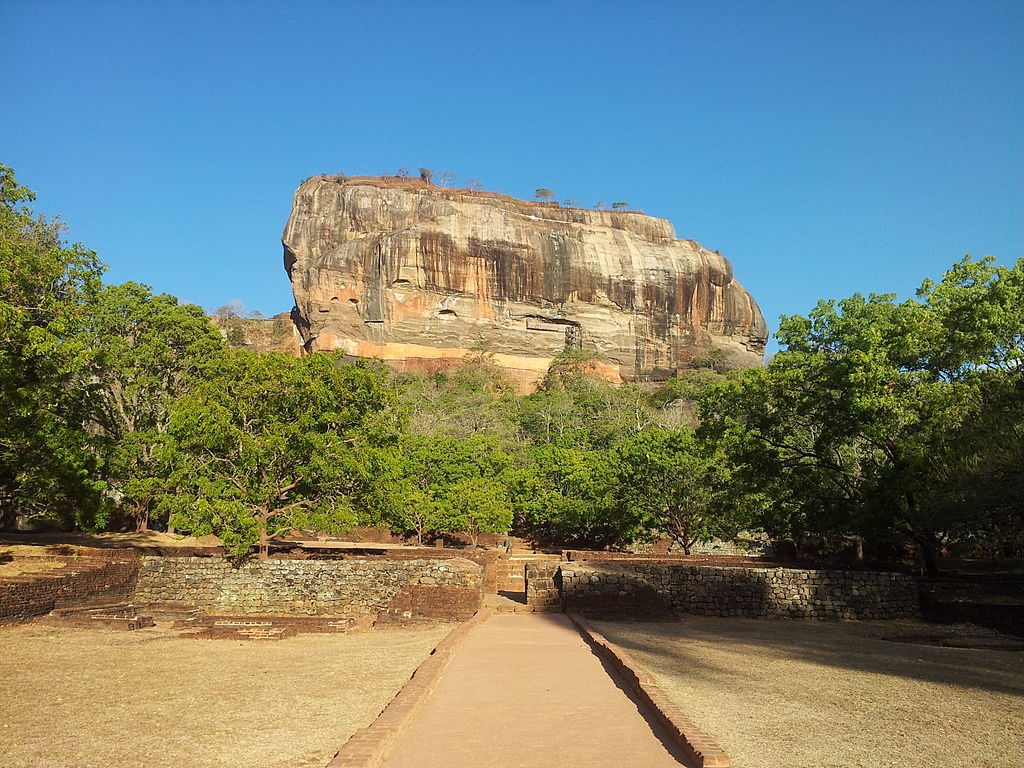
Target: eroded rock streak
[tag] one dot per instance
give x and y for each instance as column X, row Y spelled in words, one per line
column 422, row 276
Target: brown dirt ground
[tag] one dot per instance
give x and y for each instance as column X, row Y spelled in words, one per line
column 104, row 540
column 14, row 563
column 787, row 694
column 84, row 697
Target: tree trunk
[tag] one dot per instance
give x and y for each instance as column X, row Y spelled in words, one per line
column 142, row 520
column 929, row 555
column 925, row 540
column 8, row 514
column 684, row 538
column 262, row 520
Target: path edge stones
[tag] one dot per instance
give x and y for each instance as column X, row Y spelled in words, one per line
column 700, row 748
column 369, row 747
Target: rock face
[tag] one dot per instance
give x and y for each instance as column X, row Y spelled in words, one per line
column 269, row 334
column 423, row 276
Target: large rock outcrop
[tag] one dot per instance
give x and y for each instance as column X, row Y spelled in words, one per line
column 423, row 276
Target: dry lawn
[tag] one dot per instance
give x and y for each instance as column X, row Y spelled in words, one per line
column 784, row 694
column 22, row 566
column 84, row 697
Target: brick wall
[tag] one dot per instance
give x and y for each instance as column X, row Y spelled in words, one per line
column 81, row 581
column 449, row 588
column 612, row 588
column 510, row 575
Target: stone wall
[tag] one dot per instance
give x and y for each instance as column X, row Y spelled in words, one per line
column 612, row 588
column 486, row 559
column 441, row 589
column 544, row 586
column 86, row 580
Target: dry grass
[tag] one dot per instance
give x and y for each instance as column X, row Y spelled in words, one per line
column 780, row 694
column 71, row 697
column 11, row 565
column 26, row 542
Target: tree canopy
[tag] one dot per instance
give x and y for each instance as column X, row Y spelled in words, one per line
column 891, row 422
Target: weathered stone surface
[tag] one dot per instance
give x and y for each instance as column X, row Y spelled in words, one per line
column 354, row 587
column 421, row 276
column 612, row 588
column 269, row 334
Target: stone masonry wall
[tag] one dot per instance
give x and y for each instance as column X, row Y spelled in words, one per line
column 652, row 588
column 544, row 586
column 442, row 589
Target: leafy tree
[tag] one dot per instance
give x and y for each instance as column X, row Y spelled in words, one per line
column 270, row 442
column 474, row 398
column 144, row 351
column 620, row 205
column 479, row 505
column 47, row 465
column 543, row 193
column 568, row 495
column 418, row 484
column 867, row 412
column 427, row 175
column 678, row 484
column 575, row 408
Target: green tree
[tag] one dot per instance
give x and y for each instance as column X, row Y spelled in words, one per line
column 144, row 351
column 427, row 175
column 474, row 398
column 480, row 504
column 269, row 443
column 569, row 496
column 868, row 411
column 47, row 463
column 573, row 407
column 418, row 483
column 543, row 193
column 679, row 485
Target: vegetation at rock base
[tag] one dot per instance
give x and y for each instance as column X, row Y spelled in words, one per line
column 888, row 423
column 267, row 443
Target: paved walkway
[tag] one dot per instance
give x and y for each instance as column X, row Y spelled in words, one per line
column 525, row 690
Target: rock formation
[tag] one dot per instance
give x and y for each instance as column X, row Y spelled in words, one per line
column 422, row 276
column 268, row 334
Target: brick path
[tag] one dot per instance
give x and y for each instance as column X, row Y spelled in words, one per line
column 525, row 690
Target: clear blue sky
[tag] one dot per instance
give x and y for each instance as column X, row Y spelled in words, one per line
column 824, row 147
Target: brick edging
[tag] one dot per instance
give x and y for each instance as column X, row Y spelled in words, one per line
column 697, row 745
column 369, row 747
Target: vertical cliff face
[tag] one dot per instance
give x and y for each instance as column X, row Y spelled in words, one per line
column 422, row 276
